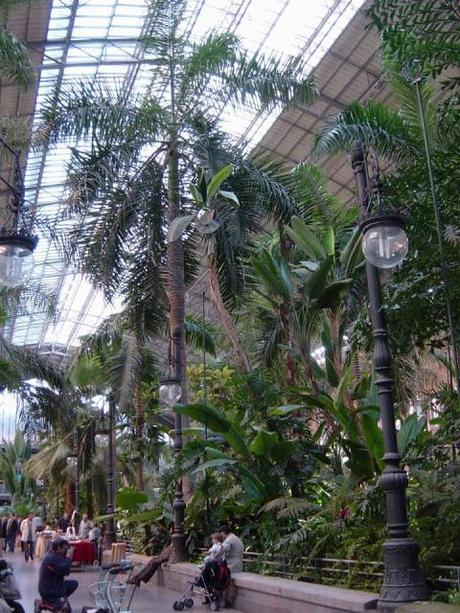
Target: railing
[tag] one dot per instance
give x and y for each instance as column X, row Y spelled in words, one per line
column 331, row 570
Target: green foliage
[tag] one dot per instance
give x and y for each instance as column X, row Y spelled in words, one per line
column 130, row 499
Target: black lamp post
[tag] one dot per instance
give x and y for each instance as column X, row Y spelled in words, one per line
column 107, row 430
column 384, row 242
column 17, row 244
column 170, row 393
column 73, row 459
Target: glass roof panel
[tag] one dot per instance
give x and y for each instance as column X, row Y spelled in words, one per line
column 97, row 37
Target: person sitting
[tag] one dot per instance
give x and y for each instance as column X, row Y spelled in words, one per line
column 233, row 553
column 52, row 587
column 146, row 573
column 216, row 551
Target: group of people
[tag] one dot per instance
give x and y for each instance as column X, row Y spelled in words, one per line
column 13, row 529
column 55, row 588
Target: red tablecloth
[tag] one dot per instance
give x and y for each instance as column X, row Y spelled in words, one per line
column 84, row 552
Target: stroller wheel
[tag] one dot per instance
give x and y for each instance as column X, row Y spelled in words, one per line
column 180, row 605
column 189, row 603
column 214, row 606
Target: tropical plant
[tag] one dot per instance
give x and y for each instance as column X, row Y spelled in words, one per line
column 421, row 32
column 130, row 186
column 412, row 294
column 15, row 62
column 13, row 456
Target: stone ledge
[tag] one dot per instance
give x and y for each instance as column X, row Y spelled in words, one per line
column 273, row 594
column 429, row 607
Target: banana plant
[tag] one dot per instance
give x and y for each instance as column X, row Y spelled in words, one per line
column 256, row 463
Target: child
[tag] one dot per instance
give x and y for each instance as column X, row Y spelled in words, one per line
column 216, row 550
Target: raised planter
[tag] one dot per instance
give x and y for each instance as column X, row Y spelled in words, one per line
column 272, row 594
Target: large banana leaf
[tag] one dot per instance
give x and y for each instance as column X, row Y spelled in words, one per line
column 304, row 238
column 264, row 442
column 410, row 429
column 216, row 421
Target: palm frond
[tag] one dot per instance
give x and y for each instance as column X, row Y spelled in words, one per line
column 267, row 81
column 15, row 63
column 424, row 30
column 199, row 335
column 374, row 124
column 87, row 108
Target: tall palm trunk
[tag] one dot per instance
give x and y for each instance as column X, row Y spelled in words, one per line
column 139, row 434
column 226, row 320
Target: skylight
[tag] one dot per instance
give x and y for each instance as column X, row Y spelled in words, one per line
column 97, row 38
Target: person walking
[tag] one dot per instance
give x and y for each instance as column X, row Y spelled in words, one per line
column 3, row 525
column 11, row 532
column 28, row 537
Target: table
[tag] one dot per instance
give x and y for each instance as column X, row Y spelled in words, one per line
column 84, row 552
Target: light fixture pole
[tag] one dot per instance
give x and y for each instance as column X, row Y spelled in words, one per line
column 108, row 430
column 170, row 393
column 77, row 480
column 17, row 244
column 403, row 580
column 111, row 529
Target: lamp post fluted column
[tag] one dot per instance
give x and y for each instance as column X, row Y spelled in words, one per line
column 178, row 536
column 111, row 533
column 77, row 478
column 403, row 580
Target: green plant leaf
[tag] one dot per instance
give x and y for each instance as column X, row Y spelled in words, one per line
column 305, row 239
column 230, row 196
column 264, row 442
column 410, row 429
column 217, row 180
column 178, row 226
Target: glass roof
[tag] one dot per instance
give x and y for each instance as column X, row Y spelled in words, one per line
column 97, row 39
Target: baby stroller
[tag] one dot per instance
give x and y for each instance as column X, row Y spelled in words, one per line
column 110, row 593
column 212, row 581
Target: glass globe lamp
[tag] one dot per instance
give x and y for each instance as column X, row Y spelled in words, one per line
column 16, row 259
column 170, row 392
column 72, row 461
column 102, row 439
column 385, row 242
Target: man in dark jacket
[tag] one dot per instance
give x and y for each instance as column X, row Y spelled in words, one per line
column 53, row 589
column 12, row 531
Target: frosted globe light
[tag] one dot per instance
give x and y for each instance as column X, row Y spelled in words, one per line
column 16, row 260
column 385, row 243
column 101, row 440
column 170, row 392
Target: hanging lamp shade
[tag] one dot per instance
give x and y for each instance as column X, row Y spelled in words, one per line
column 16, row 258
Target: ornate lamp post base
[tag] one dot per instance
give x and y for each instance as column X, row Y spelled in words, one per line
column 403, row 580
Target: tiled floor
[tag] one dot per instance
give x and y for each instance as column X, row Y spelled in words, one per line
column 147, row 599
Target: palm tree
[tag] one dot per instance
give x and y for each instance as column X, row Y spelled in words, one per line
column 131, row 185
column 15, row 63
column 396, row 134
column 423, row 30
